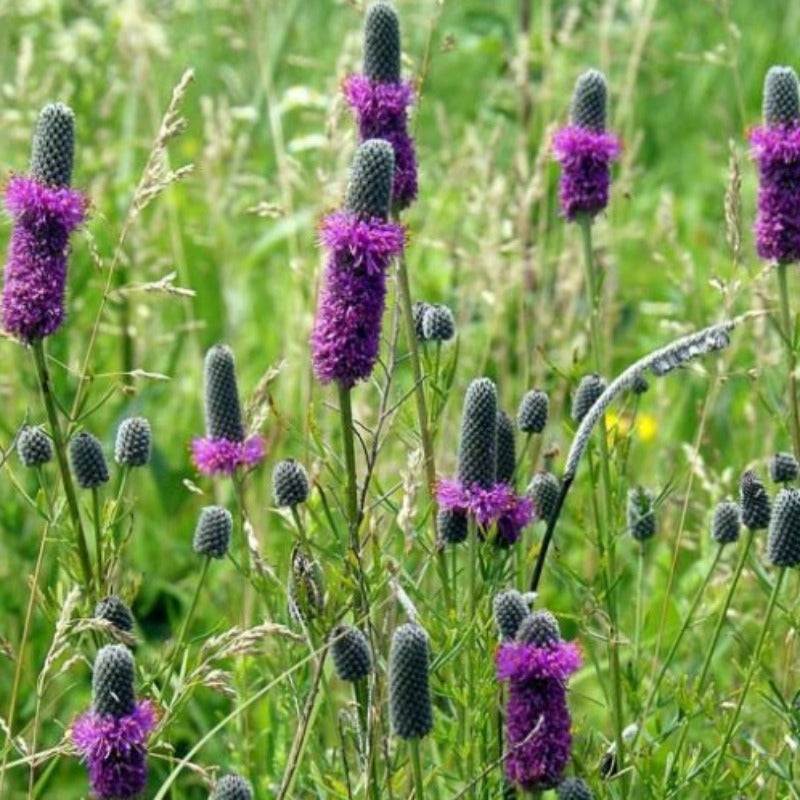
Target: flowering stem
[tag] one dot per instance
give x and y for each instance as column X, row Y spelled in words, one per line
column 61, row 456
column 419, row 789
column 639, row 590
column 190, row 614
column 301, row 530
column 723, row 614
column 419, row 387
column 754, row 664
column 791, row 357
column 98, row 536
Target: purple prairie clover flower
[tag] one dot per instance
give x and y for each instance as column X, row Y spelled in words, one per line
column 538, row 738
column 380, row 99
column 499, row 505
column 115, row 749
column 361, row 244
column 112, row 736
column 36, row 270
column 226, row 446
column 585, row 150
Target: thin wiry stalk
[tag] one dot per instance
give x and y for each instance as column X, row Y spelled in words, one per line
column 754, row 665
column 419, row 786
column 787, row 334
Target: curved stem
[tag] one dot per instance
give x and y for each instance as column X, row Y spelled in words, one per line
column 61, row 457
column 754, row 665
column 189, row 615
column 787, row 330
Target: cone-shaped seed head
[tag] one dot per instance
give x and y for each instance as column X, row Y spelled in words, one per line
column 232, row 787
column 783, row 540
column 289, row 483
column 510, row 610
column 574, row 789
column 418, row 311
column 53, row 150
column 382, row 43
column 477, row 455
column 753, row 502
column 639, row 384
column 544, row 489
column 438, row 324
column 539, row 628
column 409, row 692
column 113, row 610
column 34, row 447
column 726, row 522
column 506, row 449
column 223, row 412
column 212, row 536
column 781, row 104
column 350, row 653
column 641, row 514
column 589, row 100
column 783, row 468
column 134, row 439
column 306, row 587
column 533, row 411
column 112, row 681
column 452, row 525
column 589, row 389
column 88, row 462
column 369, row 186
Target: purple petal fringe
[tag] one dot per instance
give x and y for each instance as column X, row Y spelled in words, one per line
column 777, row 151
column 585, row 156
column 36, row 268
column 222, row 456
column 347, row 328
column 381, row 110
column 115, row 750
column 500, row 505
column 538, row 737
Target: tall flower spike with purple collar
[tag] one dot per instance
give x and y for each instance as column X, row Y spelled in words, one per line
column 585, row 150
column 226, row 446
column 477, row 492
column 361, row 244
column 536, row 665
column 380, row 99
column 45, row 211
column 776, row 148
column 112, row 736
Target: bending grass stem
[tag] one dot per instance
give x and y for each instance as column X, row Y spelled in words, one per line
column 791, row 357
column 419, row 788
column 63, row 467
column 754, row 665
column 190, row 614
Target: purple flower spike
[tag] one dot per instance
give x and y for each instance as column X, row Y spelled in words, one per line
column 776, row 148
column 381, row 110
column 36, row 269
column 538, row 738
column 585, row 156
column 500, row 505
column 347, row 328
column 115, row 749
column 216, row 456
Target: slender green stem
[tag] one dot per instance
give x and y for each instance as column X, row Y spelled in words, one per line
column 754, row 665
column 115, row 516
column 61, row 456
column 723, row 614
column 419, row 387
column 98, row 537
column 791, row 357
column 187, row 620
column 637, row 642
column 301, row 529
column 674, row 648
column 419, row 787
